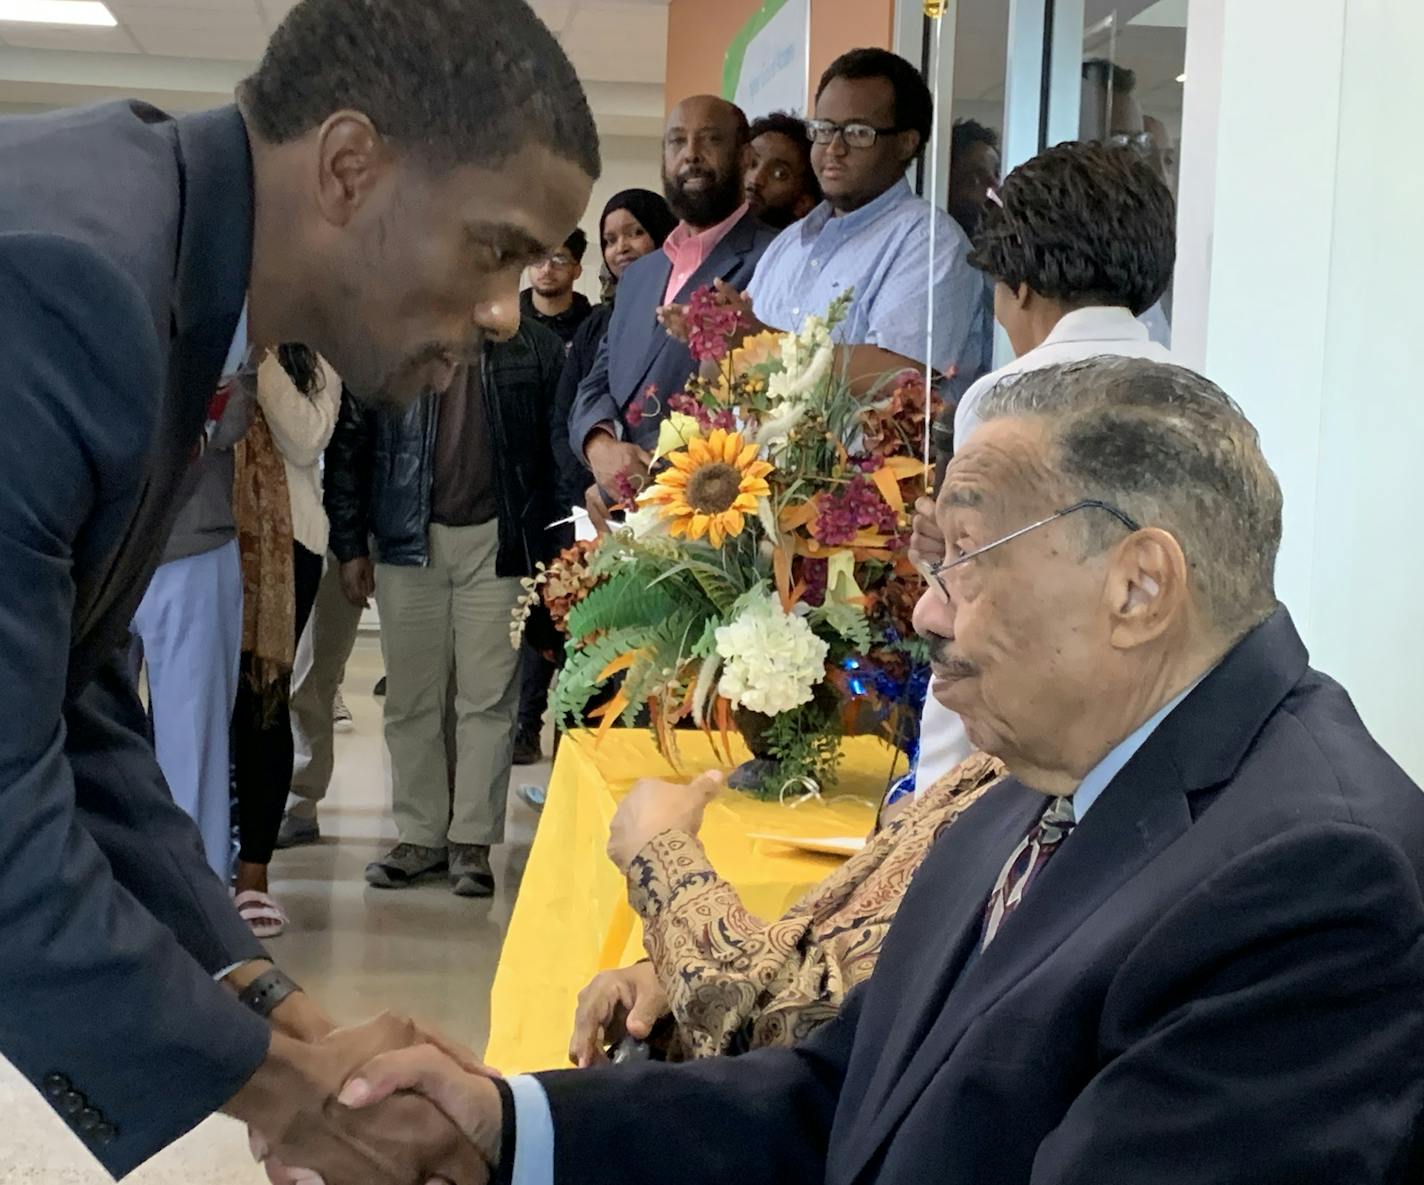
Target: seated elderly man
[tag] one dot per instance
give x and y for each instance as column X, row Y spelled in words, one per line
column 728, row 980
column 1183, row 944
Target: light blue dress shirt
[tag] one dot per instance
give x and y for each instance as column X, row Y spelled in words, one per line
column 882, row 251
column 534, row 1122
column 1098, row 778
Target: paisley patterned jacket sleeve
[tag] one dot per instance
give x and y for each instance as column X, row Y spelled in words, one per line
column 737, row 982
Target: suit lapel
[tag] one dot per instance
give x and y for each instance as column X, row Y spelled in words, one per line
column 1141, row 813
column 942, row 913
column 726, row 256
column 651, row 339
column 209, row 289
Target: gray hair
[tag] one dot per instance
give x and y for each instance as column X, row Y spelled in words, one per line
column 1172, row 450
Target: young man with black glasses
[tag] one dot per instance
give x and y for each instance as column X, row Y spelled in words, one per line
column 874, row 114
column 550, row 298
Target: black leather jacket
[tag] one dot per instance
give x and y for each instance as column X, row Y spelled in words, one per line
column 380, row 463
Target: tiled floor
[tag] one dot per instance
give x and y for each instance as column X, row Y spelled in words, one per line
column 355, row 949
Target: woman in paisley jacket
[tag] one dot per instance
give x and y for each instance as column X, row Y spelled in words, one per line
column 719, row 980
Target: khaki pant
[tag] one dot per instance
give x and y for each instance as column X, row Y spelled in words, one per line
column 316, row 677
column 450, row 619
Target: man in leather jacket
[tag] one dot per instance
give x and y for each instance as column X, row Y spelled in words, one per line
column 455, row 495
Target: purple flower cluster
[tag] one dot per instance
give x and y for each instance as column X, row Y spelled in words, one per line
column 857, row 507
column 711, row 325
column 814, row 573
column 706, row 420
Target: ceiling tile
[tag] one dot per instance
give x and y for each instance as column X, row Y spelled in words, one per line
column 83, row 40
column 197, row 43
column 227, row 21
column 618, row 41
column 276, row 11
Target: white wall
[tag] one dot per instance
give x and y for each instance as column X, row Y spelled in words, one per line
column 629, row 162
column 1303, row 248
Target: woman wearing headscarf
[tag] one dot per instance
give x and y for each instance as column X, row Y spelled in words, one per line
column 634, row 223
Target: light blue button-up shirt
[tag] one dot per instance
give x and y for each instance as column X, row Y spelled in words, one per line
column 1098, row 778
column 882, row 251
column 534, row 1122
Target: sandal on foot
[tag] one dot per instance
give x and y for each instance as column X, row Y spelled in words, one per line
column 260, row 911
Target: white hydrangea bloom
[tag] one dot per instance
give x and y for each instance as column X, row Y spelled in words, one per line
column 772, row 659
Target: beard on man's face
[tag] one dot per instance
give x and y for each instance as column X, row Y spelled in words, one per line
column 699, row 197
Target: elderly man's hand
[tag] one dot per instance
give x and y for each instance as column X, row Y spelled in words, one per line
column 288, row 1106
column 628, row 1001
column 653, row 807
column 927, row 543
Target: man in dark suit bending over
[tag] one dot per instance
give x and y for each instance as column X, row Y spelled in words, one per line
column 1182, row 945
column 388, row 173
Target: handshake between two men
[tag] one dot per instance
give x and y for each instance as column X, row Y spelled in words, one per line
column 384, row 1103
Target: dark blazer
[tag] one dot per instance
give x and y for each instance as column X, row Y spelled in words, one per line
column 637, row 353
column 125, row 242
column 1219, row 979
column 573, row 471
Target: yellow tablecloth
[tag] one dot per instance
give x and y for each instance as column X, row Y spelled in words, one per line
column 572, row 917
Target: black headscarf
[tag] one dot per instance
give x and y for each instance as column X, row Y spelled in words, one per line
column 647, row 207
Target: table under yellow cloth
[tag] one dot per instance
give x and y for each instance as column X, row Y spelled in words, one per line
column 572, row 918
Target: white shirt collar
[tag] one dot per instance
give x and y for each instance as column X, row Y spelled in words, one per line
column 1103, row 323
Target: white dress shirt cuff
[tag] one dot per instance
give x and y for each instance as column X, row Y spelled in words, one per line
column 534, row 1132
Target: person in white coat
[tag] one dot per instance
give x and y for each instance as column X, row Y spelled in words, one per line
column 1080, row 243
column 299, row 396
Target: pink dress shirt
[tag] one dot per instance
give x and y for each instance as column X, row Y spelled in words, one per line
column 688, row 249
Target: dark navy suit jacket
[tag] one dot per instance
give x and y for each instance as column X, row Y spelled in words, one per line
column 125, row 243
column 1218, row 980
column 637, row 353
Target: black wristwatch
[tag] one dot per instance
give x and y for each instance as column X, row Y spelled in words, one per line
column 267, row 991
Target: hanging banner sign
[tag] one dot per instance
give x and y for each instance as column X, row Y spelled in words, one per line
column 768, row 65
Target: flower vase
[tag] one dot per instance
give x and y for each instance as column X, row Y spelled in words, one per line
column 764, row 775
column 751, row 776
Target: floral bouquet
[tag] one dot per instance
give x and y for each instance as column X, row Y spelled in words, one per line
column 760, row 578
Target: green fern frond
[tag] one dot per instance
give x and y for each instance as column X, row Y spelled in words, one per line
column 629, row 600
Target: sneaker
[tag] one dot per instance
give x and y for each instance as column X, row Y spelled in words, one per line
column 297, row 832
column 380, row 687
column 470, row 871
column 527, row 750
column 341, row 719
column 534, row 797
column 405, row 864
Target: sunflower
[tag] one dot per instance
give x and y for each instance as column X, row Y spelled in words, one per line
column 714, row 483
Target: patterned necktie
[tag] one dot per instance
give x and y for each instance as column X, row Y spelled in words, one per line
column 1026, row 863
